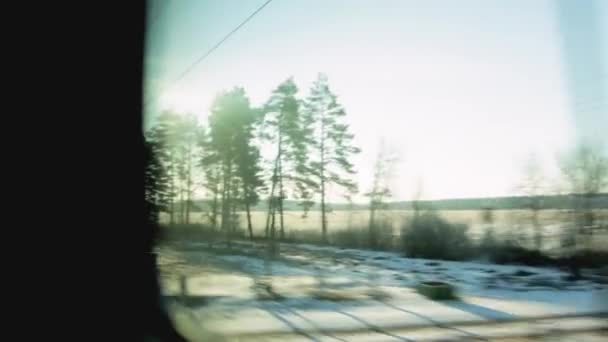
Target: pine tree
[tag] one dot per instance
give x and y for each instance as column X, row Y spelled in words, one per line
column 186, row 130
column 331, row 144
column 156, row 181
column 230, row 123
column 248, row 168
column 282, row 127
column 209, row 162
column 163, row 141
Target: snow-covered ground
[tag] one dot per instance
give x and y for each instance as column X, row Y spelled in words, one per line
column 313, row 289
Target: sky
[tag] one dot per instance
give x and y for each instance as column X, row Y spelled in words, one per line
column 463, row 91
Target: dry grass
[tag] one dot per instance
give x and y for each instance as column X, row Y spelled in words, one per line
column 509, row 225
column 342, row 219
column 336, row 295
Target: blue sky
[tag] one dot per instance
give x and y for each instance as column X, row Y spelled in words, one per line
column 463, row 90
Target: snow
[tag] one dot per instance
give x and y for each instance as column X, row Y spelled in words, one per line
column 246, row 321
column 487, row 292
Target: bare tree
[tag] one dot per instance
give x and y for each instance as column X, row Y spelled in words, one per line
column 488, row 239
column 417, row 197
column 585, row 174
column 383, row 170
column 533, row 186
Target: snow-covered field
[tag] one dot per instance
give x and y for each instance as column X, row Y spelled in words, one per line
column 318, row 291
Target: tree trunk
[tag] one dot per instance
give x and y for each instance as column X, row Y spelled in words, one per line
column 273, row 235
column 281, row 198
column 182, row 164
column 537, row 230
column 372, row 213
column 181, row 205
column 374, row 200
column 249, row 226
column 214, row 207
column 416, row 208
column 322, row 173
column 188, row 187
column 183, row 288
column 172, row 193
column 589, row 221
column 270, row 206
column 171, row 211
column 223, row 209
column 273, row 238
column 271, row 198
column 280, row 176
column 267, row 227
column 229, row 200
column 225, row 200
column 227, row 208
column 247, row 211
column 323, row 217
column 234, row 194
column 188, row 209
column 234, row 217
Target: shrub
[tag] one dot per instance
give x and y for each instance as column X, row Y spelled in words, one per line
column 355, row 237
column 488, row 242
column 195, row 232
column 586, row 259
column 379, row 237
column 429, row 236
column 303, row 236
column 513, row 254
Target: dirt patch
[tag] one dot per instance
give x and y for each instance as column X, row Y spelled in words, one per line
column 192, row 301
column 377, row 294
column 335, row 295
column 265, row 291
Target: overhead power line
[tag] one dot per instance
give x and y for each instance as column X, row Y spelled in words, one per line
column 212, row 49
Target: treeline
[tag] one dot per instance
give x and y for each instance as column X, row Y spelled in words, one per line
column 291, row 147
column 599, row 201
